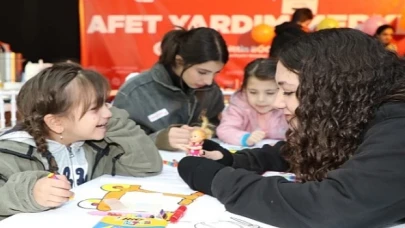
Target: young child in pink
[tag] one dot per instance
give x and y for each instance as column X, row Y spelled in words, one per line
column 250, row 116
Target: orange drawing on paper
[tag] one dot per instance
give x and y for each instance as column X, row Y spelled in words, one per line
column 116, row 191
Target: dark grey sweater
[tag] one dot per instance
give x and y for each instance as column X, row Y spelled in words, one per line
column 155, row 102
column 365, row 192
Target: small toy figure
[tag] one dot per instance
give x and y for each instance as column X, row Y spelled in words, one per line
column 196, row 141
column 197, row 138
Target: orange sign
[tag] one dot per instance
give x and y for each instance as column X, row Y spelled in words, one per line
column 121, row 37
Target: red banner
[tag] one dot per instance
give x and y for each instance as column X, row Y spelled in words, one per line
column 121, row 37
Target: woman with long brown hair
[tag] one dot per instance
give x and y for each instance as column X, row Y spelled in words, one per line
column 344, row 97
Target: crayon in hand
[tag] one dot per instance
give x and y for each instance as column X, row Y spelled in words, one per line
column 53, row 176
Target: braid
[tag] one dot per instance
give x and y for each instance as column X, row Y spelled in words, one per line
column 36, row 131
column 35, row 127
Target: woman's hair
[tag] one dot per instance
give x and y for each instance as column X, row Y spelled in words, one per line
column 382, row 28
column 344, row 76
column 58, row 90
column 283, row 37
column 302, row 14
column 263, row 69
column 196, row 46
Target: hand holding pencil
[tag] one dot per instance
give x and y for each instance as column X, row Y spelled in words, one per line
column 52, row 191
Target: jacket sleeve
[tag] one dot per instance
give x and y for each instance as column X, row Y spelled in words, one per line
column 366, row 191
column 230, row 130
column 260, row 160
column 139, row 155
column 16, row 192
column 122, row 101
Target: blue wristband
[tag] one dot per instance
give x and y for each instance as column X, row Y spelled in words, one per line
column 244, row 139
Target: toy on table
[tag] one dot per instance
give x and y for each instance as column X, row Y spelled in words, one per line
column 197, row 138
column 173, row 163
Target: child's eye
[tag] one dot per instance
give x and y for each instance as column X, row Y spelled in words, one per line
column 252, row 92
column 271, row 93
column 288, row 93
column 201, row 72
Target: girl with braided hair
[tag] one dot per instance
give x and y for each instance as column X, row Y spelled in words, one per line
column 67, row 128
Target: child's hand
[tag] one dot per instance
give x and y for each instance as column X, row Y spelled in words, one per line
column 213, row 155
column 179, row 136
column 255, row 137
column 49, row 192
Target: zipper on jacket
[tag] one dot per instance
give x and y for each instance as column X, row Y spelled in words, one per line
column 114, row 161
column 71, row 155
column 191, row 109
column 100, row 153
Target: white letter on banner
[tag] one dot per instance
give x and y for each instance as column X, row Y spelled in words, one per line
column 355, row 19
column 221, row 23
column 271, row 20
column 197, row 21
column 97, row 25
column 179, row 21
column 151, row 21
column 114, row 22
column 133, row 24
column 241, row 24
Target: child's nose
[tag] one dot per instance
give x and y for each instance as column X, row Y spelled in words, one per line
column 262, row 97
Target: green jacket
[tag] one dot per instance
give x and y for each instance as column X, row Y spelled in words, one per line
column 126, row 150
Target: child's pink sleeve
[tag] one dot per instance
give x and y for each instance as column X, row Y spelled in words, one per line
column 231, row 129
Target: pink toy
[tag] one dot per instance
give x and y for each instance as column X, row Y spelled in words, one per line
column 197, row 139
